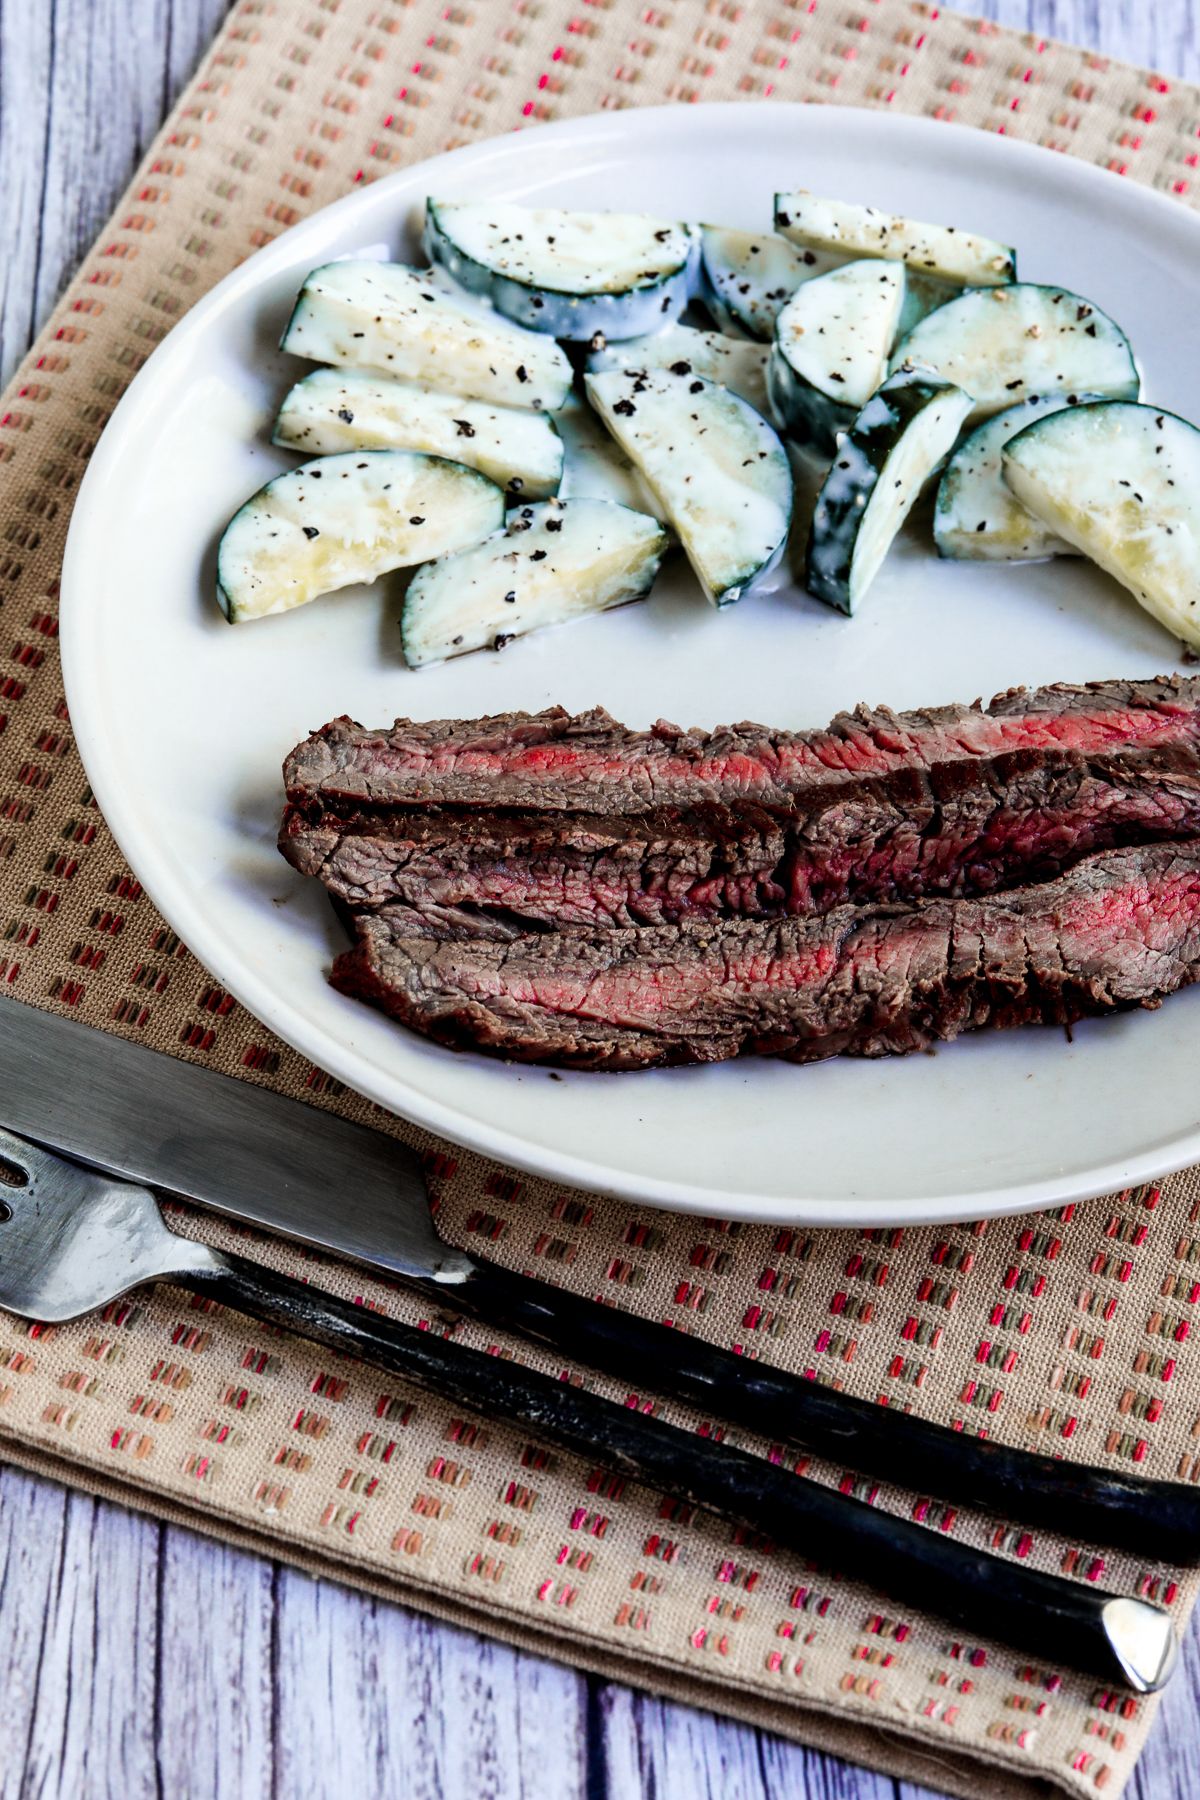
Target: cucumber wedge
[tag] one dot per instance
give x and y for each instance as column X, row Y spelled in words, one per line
column 715, row 466
column 571, row 274
column 550, row 563
column 734, row 362
column 747, row 277
column 939, row 250
column 898, row 440
column 350, row 409
column 349, row 518
column 1122, row 484
column 832, row 341
column 1006, row 343
column 978, row 517
column 382, row 316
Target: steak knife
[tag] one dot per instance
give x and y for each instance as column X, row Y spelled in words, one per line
column 268, row 1161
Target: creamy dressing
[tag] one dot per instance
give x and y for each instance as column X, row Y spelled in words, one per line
column 552, row 563
column 941, row 250
column 394, row 320
column 1122, row 484
column 978, row 517
column 835, row 333
column 736, row 363
column 749, row 276
column 345, row 519
column 567, row 252
column 596, row 467
column 1005, row 343
column 717, row 467
column 346, row 409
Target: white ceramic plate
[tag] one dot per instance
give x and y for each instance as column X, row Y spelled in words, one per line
column 183, row 721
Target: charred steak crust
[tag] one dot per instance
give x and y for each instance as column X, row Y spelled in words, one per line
column 1120, row 930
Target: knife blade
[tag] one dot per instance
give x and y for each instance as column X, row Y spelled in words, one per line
column 239, row 1149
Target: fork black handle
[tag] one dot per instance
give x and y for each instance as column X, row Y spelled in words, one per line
column 1157, row 1519
column 1124, row 1641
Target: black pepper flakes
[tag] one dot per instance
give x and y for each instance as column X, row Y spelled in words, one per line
column 310, row 531
column 464, row 428
column 626, row 408
column 416, row 519
column 345, row 415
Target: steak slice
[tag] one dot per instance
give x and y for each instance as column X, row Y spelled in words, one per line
column 591, row 764
column 960, row 828
column 547, row 869
column 1120, row 930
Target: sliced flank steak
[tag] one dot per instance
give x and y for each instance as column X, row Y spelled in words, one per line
column 965, row 827
column 1120, row 930
column 588, row 763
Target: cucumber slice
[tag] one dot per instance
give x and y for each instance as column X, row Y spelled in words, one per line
column 747, row 277
column 1122, row 484
column 1010, row 342
column 571, row 274
column 349, row 409
column 715, row 466
column 736, row 363
column 349, row 518
column 831, row 349
column 939, row 250
column 550, row 563
column 897, row 441
column 978, row 517
column 382, row 316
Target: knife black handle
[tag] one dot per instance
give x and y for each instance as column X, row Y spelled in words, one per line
column 1120, row 1640
column 1158, row 1519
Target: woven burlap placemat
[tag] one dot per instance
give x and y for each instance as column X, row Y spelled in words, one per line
column 1068, row 1332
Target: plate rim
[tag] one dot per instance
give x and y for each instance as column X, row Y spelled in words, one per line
column 136, row 845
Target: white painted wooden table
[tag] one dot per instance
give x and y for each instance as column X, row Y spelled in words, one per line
column 139, row 1660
